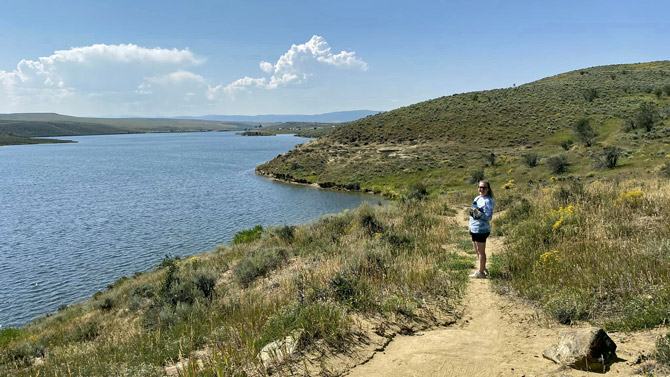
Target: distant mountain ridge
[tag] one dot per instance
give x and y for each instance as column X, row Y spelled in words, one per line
column 334, row 117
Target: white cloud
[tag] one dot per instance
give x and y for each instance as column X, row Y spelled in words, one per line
column 106, row 79
column 267, row 67
column 78, row 74
column 295, row 66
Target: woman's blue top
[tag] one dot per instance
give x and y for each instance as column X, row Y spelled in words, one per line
column 480, row 223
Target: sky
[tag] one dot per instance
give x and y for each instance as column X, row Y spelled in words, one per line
column 175, row 58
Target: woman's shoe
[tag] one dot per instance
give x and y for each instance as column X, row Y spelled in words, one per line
column 478, row 275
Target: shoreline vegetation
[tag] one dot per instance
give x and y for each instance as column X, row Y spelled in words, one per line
column 580, row 166
column 20, row 129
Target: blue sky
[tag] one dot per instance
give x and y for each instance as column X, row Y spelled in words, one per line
column 169, row 58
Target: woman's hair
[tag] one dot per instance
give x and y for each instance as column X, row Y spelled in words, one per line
column 488, row 184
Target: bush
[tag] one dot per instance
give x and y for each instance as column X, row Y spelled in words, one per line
column 22, row 354
column 368, row 222
column 418, row 191
column 141, row 296
column 258, row 263
column 107, row 304
column 663, row 350
column 666, row 89
column 658, row 92
column 351, row 289
column 530, row 159
column 86, row 332
column 247, row 235
column 646, row 117
column 590, row 94
column 558, row 164
column 285, row 233
column 566, row 144
column 584, row 132
column 477, row 175
column 609, row 158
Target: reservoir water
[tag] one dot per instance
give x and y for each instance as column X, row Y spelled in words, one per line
column 76, row 217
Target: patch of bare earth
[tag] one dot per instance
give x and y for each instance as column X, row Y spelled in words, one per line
column 496, row 336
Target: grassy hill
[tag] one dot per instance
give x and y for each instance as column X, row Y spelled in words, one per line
column 444, row 141
column 20, row 128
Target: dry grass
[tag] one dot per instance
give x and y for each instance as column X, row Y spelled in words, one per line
column 383, row 262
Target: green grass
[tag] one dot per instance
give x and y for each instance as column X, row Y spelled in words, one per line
column 591, row 252
column 377, row 262
column 432, row 142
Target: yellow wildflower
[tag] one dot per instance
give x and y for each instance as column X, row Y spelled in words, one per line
column 558, row 223
column 510, row 171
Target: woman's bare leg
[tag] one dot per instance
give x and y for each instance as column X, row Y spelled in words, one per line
column 480, row 247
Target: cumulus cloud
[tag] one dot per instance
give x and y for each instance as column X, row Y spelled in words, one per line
column 84, row 72
column 295, row 66
column 131, row 79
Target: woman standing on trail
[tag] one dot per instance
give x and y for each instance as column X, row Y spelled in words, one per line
column 481, row 214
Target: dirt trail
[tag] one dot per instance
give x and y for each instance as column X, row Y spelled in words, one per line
column 497, row 336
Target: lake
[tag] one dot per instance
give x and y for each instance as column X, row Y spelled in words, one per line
column 76, row 217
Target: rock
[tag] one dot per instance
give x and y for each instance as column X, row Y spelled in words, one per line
column 589, row 349
column 276, row 352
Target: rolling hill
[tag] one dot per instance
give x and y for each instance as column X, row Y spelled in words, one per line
column 444, row 141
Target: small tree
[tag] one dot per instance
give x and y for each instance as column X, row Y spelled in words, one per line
column 590, row 94
column 646, row 117
column 610, row 157
column 530, row 159
column 584, row 131
column 558, row 164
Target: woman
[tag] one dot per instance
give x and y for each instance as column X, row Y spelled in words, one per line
column 481, row 214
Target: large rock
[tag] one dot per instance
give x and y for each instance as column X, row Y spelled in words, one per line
column 588, row 349
column 276, row 352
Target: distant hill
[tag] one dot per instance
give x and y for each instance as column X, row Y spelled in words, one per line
column 21, row 127
column 441, row 142
column 340, row 116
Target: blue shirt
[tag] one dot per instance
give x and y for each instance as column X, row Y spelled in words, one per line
column 480, row 223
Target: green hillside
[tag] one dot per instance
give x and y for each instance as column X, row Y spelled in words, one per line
column 441, row 142
column 20, row 128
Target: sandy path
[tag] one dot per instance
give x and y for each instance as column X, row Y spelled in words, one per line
column 497, row 336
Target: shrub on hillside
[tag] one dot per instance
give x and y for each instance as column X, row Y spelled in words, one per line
column 590, row 94
column 558, row 164
column 666, row 89
column 658, row 92
column 584, row 131
column 566, row 144
column 477, row 175
column 247, row 235
column 417, row 191
column 645, row 118
column 258, row 263
column 368, row 221
column 609, row 158
column 530, row 159
column 663, row 350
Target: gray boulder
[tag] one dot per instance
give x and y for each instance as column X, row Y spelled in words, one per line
column 589, row 349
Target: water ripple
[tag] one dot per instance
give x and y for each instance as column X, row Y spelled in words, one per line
column 76, row 217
